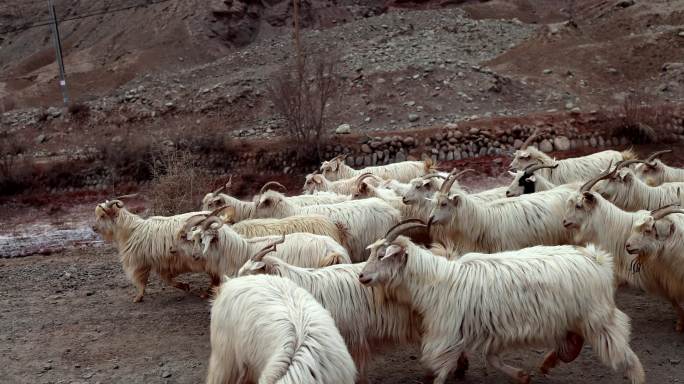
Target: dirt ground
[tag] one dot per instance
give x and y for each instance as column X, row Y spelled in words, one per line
column 69, row 318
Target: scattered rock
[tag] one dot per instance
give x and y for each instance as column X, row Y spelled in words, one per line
column 624, row 3
column 41, row 139
column 561, row 143
column 166, row 374
column 545, row 146
column 365, row 148
column 412, row 117
column 517, row 143
column 547, row 71
column 343, row 129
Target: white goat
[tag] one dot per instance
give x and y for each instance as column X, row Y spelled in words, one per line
column 266, row 329
column 501, row 225
column 654, row 172
column 658, row 240
column 595, row 220
column 225, row 251
column 568, row 170
column 628, row 192
column 145, row 245
column 365, row 319
column 365, row 219
column 316, row 182
column 535, row 297
column 245, row 209
column 314, row 224
column 336, row 169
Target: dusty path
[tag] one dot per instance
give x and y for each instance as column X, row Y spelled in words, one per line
column 68, row 318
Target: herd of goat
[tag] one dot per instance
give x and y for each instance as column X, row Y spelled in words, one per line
column 305, row 288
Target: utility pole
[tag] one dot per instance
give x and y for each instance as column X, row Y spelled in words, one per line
column 58, row 51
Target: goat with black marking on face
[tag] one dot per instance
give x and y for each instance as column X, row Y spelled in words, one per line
column 145, row 245
column 555, row 297
column 654, row 172
column 658, row 240
column 526, row 181
column 501, row 225
column 336, row 169
column 576, row 169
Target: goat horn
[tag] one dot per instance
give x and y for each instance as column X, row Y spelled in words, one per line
column 527, row 142
column 268, row 185
column 463, row 172
column 192, row 221
column 603, row 175
column 206, row 223
column 434, row 175
column 626, row 163
column 402, row 227
column 657, row 154
column 123, row 197
column 267, row 249
column 665, row 207
column 666, row 211
column 530, row 169
column 362, row 178
column 119, row 203
column 450, row 180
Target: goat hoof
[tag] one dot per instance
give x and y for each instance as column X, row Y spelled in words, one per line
column 523, row 377
column 137, row 299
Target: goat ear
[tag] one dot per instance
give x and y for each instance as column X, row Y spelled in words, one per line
column 363, row 188
column 228, row 214
column 512, row 173
column 532, row 178
column 335, row 164
column 664, row 229
column 589, row 198
column 628, row 177
column 318, row 179
column 524, row 155
column 455, row 199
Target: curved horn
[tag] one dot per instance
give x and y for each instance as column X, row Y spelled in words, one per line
column 363, row 177
column 119, row 203
column 532, row 168
column 402, row 227
column 657, row 154
column 463, row 172
column 450, row 180
column 206, row 223
column 434, row 175
column 123, row 197
column 268, row 185
column 527, row 142
column 267, row 249
column 603, row 175
column 666, row 211
column 627, row 163
column 665, row 207
column 192, row 221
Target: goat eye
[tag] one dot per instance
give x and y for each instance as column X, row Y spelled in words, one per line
column 578, row 206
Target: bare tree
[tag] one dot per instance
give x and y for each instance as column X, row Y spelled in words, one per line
column 301, row 92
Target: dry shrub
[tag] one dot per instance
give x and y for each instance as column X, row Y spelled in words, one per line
column 178, row 184
column 79, row 110
column 642, row 120
column 12, row 176
column 129, row 160
column 301, row 92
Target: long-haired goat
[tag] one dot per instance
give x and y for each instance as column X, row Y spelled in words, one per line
column 654, row 172
column 225, row 251
column 535, row 297
column 501, row 225
column 568, row 170
column 314, row 224
column 658, row 240
column 365, row 219
column 365, row 319
column 595, row 220
column 268, row 330
column 316, row 182
column 628, row 192
column 336, row 169
column 145, row 245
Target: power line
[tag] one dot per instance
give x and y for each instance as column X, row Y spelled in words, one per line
column 97, row 13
